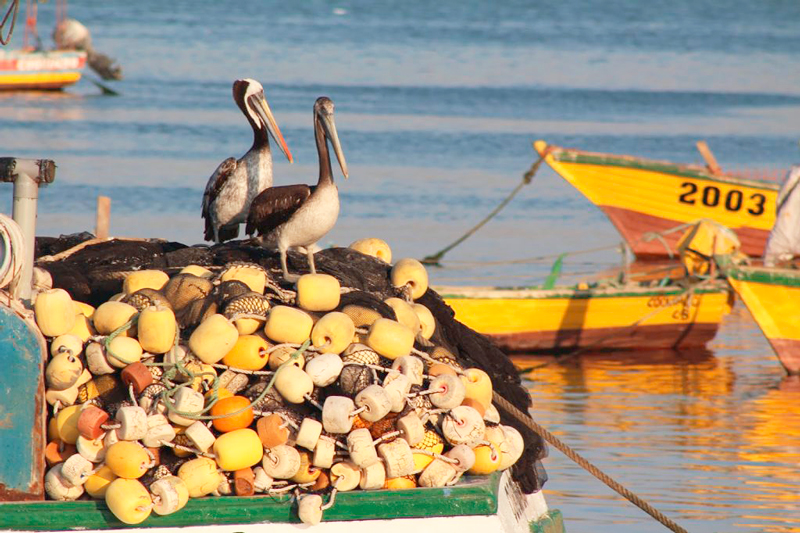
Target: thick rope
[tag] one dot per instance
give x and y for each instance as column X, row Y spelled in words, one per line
column 526, row 179
column 13, row 7
column 531, row 424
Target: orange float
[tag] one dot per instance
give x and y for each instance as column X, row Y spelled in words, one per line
column 225, row 406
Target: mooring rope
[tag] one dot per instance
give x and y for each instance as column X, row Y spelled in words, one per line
column 526, row 179
column 15, row 7
column 531, row 424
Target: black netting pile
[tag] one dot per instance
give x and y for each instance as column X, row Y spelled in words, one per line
column 95, row 273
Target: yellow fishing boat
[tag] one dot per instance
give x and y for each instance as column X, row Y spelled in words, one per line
column 645, row 199
column 592, row 316
column 772, row 295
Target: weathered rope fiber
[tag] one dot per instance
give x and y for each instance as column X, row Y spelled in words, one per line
column 526, row 179
column 529, row 422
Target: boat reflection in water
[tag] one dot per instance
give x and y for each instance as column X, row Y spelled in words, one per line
column 711, row 438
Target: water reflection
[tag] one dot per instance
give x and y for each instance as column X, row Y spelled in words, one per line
column 712, row 438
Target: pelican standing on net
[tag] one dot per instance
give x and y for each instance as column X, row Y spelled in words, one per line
column 235, row 183
column 300, row 215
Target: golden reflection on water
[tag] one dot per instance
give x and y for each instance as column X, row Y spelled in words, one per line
column 711, row 438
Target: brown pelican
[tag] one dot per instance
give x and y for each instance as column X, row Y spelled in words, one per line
column 300, row 215
column 236, row 182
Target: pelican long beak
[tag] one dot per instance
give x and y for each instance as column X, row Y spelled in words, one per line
column 261, row 106
column 330, row 130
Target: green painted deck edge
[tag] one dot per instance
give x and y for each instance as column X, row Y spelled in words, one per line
column 475, row 497
column 578, row 294
column 552, row 522
column 765, row 275
column 567, row 156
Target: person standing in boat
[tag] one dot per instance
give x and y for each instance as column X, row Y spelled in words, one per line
column 784, row 239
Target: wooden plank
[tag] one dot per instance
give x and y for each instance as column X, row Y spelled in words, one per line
column 708, row 157
column 103, row 217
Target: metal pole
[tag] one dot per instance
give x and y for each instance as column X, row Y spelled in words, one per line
column 26, row 195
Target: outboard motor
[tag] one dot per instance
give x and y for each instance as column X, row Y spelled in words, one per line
column 70, row 34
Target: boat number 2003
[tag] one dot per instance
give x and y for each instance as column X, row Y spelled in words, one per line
column 710, row 196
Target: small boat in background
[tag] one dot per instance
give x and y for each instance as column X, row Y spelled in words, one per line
column 601, row 316
column 647, row 200
column 643, row 306
column 56, row 69
column 32, row 68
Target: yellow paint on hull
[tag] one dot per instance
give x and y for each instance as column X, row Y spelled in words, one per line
column 519, row 315
column 44, row 79
column 776, row 308
column 658, row 194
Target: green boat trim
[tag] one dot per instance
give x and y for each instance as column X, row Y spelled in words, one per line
column 533, row 293
column 473, row 496
column 552, row 522
column 685, row 171
column 766, row 275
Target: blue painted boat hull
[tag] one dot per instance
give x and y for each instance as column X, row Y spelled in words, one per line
column 22, row 421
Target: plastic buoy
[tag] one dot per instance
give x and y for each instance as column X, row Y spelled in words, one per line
column 281, row 462
column 333, row 332
column 128, row 500
column 405, row 313
column 144, row 279
column 54, row 312
column 375, row 247
column 237, row 449
column 410, row 273
column 248, row 353
column 97, row 484
column 390, row 338
column 226, row 408
column 213, row 339
column 171, row 494
column 127, row 459
column 345, row 476
column 336, row 414
column 287, row 324
column 110, row 316
column 318, row 292
column 157, row 329
column 309, row 433
column 201, row 476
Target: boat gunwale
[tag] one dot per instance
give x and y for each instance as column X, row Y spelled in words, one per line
column 531, row 293
column 478, row 496
column 583, row 157
column 15, row 53
column 765, row 275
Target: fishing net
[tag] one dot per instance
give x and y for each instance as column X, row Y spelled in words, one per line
column 93, row 271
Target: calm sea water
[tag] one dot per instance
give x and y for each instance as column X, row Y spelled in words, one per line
column 437, row 106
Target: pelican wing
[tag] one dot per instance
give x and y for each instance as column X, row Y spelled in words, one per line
column 215, row 184
column 274, row 206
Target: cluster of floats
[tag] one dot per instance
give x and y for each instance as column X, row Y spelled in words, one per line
column 274, row 406
column 716, row 224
